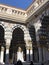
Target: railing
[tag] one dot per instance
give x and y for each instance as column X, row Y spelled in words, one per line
column 36, row 4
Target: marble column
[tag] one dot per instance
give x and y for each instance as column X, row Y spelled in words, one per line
column 7, row 54
column 2, row 55
column 47, row 54
column 8, row 40
column 37, row 28
column 44, row 54
column 40, row 54
column 31, row 55
column 27, row 54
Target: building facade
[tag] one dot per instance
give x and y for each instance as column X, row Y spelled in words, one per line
column 28, row 29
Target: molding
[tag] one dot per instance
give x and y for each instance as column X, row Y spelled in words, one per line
column 22, row 16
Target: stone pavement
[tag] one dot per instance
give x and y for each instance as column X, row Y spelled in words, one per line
column 24, row 63
column 27, row 63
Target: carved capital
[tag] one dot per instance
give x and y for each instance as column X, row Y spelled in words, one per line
column 8, row 41
column 2, row 48
column 27, row 47
column 7, row 46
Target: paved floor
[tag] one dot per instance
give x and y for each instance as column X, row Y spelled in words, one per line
column 25, row 63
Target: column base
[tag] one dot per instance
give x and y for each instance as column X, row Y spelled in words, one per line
column 2, row 62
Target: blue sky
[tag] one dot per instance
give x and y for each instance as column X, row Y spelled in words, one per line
column 23, row 4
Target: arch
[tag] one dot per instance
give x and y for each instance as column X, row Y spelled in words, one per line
column 18, row 26
column 17, row 41
column 2, row 37
column 18, row 34
column 25, row 30
column 1, row 34
column 34, row 43
column 32, row 34
column 2, row 40
column 2, row 24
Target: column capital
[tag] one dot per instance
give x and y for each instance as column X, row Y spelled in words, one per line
column 7, row 46
column 8, row 42
column 2, row 48
column 27, row 47
column 30, row 48
column 37, row 25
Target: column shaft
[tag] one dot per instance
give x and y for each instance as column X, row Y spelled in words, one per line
column 27, row 55
column 31, row 55
column 8, row 40
column 2, row 54
column 40, row 54
column 44, row 54
column 7, row 54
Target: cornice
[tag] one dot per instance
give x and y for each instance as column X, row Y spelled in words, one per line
column 19, row 15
